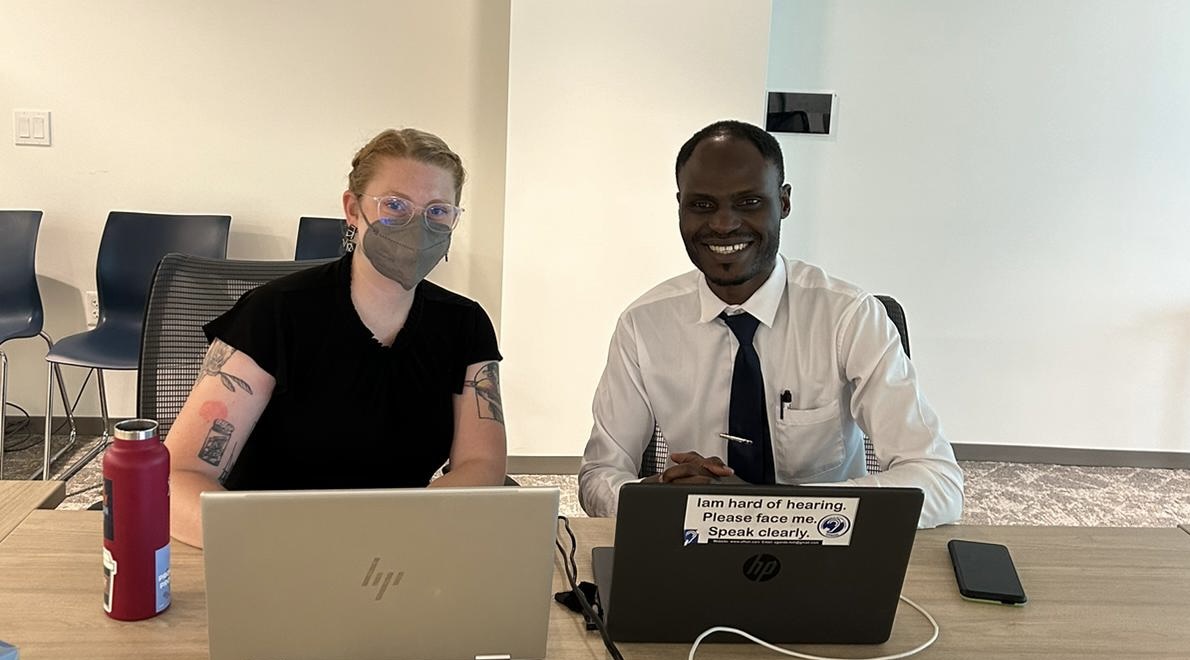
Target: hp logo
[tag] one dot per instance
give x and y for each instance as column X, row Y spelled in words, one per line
column 381, row 580
column 761, row 568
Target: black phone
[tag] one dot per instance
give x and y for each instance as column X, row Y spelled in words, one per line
column 985, row 571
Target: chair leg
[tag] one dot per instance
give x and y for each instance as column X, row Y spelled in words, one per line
column 79, row 464
column 102, row 402
column 49, row 420
column 3, row 406
column 49, row 343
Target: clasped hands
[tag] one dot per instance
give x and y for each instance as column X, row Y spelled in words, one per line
column 693, row 468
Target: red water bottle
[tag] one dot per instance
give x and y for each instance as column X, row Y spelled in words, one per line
column 136, row 522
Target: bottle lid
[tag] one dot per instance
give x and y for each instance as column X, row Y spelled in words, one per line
column 136, row 429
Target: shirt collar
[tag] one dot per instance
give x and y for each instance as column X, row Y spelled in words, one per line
column 762, row 304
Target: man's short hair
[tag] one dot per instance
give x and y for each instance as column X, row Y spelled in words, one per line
column 765, row 143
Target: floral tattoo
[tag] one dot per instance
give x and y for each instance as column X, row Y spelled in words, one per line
column 212, row 365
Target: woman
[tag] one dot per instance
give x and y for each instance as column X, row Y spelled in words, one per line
column 354, row 374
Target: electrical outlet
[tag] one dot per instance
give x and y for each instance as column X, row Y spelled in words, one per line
column 92, row 308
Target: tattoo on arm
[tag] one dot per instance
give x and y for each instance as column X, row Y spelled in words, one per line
column 212, row 365
column 487, row 392
column 227, row 468
column 216, row 443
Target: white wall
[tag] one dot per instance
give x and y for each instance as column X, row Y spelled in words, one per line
column 248, row 108
column 601, row 96
column 1016, row 173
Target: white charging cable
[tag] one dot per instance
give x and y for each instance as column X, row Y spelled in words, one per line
column 806, row 656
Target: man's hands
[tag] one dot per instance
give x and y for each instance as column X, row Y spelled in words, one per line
column 692, row 468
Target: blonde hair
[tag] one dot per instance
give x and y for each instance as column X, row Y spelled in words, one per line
column 406, row 143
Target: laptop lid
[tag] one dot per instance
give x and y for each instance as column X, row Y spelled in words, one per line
column 441, row 574
column 786, row 563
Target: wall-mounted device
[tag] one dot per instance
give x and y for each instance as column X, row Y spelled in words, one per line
column 801, row 112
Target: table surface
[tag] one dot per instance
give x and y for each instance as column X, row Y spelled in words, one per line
column 1094, row 593
column 19, row 498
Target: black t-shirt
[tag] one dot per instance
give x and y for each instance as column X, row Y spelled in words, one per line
column 347, row 412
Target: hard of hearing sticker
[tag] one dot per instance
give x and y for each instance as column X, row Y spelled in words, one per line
column 769, row 519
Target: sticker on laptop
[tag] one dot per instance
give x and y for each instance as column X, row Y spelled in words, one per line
column 769, row 519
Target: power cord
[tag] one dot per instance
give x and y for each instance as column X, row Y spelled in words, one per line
column 571, row 569
column 23, row 424
column 17, row 427
column 805, row 656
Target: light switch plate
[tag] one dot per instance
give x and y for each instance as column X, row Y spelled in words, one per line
column 31, row 127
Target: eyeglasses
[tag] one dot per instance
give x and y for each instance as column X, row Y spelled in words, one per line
column 396, row 211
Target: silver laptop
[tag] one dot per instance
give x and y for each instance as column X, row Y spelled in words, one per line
column 785, row 563
column 439, row 574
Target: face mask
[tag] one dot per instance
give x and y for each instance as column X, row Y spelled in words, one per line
column 404, row 254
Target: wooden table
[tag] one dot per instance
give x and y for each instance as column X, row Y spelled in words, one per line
column 1094, row 593
column 19, row 498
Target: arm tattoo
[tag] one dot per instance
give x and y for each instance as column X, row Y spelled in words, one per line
column 212, row 365
column 227, row 469
column 216, row 443
column 487, row 392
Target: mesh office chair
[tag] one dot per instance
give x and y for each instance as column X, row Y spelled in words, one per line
column 656, row 454
column 186, row 293
column 21, row 314
column 131, row 246
column 320, row 238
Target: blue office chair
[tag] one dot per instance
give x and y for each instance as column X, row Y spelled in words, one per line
column 20, row 300
column 132, row 245
column 320, row 238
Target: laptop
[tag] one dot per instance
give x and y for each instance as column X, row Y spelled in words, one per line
column 818, row 564
column 436, row 574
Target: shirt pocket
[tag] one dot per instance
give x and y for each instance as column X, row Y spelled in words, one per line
column 809, row 443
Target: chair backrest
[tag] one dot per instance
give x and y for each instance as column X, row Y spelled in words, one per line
column 320, row 238
column 656, row 453
column 186, row 293
column 20, row 299
column 132, row 245
column 896, row 314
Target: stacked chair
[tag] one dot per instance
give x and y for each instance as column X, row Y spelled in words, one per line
column 132, row 245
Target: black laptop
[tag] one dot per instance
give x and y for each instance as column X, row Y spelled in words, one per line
column 816, row 564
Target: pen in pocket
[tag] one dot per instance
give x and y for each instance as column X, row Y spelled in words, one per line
column 786, row 399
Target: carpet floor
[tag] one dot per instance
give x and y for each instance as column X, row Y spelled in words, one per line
column 996, row 493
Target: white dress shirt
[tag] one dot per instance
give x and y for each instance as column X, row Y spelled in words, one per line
column 831, row 345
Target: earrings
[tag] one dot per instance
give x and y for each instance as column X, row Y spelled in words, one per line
column 349, row 239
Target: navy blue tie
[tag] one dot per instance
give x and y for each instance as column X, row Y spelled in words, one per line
column 747, row 415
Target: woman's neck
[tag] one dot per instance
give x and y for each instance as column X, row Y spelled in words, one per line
column 382, row 304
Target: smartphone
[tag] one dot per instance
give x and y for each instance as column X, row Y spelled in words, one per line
column 985, row 572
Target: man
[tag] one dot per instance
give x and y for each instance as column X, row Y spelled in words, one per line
column 765, row 361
